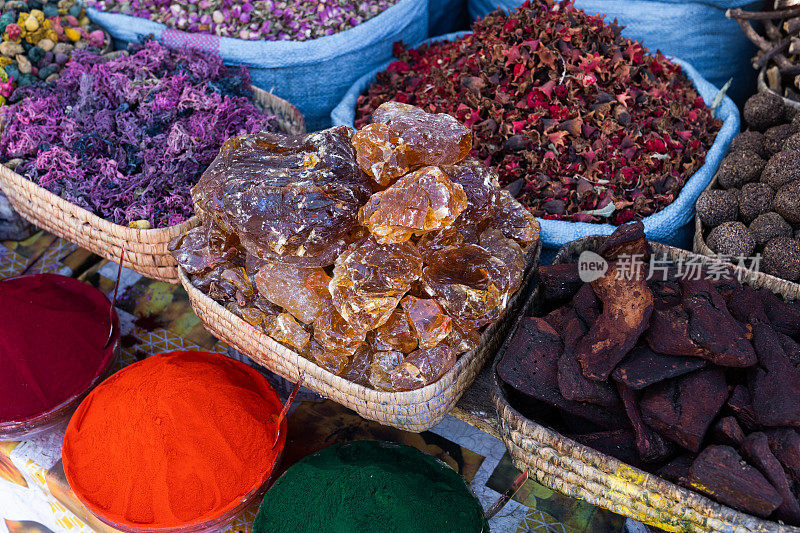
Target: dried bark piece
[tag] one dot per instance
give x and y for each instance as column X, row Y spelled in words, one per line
column 571, row 382
column 335, row 334
column 651, row 446
column 425, row 138
column 560, row 317
column 290, row 199
column 775, row 382
column 380, row 153
column 616, row 443
column 745, row 305
column 428, row 320
column 643, row 367
column 784, row 316
column 422, row 201
column 472, row 286
column 627, row 305
column 559, row 282
column 529, row 365
column 682, row 409
column 285, row 329
column 727, row 431
column 721, row 473
column 785, row 445
column 508, row 251
column 791, row 349
column 677, row 470
column 288, row 286
column 669, row 333
column 586, row 304
column 380, row 370
column 395, row 335
column 627, row 240
column 741, row 405
column 369, row 280
column 755, row 448
column 422, row 367
column 712, row 326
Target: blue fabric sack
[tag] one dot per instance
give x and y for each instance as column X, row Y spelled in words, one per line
column 668, row 226
column 697, row 32
column 446, row 16
column 313, row 75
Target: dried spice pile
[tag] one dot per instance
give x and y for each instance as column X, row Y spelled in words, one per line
column 269, row 20
column 380, row 256
column 581, row 123
column 757, row 207
column 127, row 138
column 37, row 39
column 695, row 377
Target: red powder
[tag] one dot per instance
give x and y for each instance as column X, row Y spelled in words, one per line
column 52, row 332
column 174, row 440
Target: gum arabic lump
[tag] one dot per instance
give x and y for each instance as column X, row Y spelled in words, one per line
column 292, row 288
column 421, row 201
column 428, row 320
column 369, row 280
column 291, row 199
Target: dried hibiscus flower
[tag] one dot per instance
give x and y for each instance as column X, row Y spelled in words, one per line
column 587, row 125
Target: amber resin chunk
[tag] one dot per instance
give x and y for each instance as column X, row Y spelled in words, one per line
column 421, row 201
column 471, row 284
column 380, row 370
column 463, row 339
column 481, row 185
column 508, row 251
column 426, row 138
column 292, row 199
column 292, row 288
column 422, row 367
column 196, row 255
column 380, row 153
column 395, row 335
column 369, row 280
column 335, row 334
column 514, row 220
column 335, row 362
column 284, row 328
column 427, row 318
column 357, row 368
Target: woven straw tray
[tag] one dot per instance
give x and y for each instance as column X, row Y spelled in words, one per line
column 788, row 289
column 415, row 410
column 145, row 250
column 582, row 472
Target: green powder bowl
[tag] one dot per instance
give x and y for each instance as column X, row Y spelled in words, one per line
column 370, row 486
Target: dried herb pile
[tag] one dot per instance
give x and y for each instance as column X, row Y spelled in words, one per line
column 574, row 116
column 688, row 374
column 127, row 138
column 269, row 20
column 756, row 208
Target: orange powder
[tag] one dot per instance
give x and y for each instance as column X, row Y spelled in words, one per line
column 176, row 439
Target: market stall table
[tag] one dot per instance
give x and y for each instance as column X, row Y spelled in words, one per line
column 156, row 317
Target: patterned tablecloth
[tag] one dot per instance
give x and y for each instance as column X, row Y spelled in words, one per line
column 156, row 317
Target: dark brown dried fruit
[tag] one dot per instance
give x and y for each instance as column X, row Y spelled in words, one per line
column 682, row 409
column 768, row 226
column 721, row 473
column 755, row 199
column 643, row 367
column 787, row 202
column 750, row 140
column 763, row 110
column 715, row 206
column 739, row 168
column 776, row 136
column 732, row 239
column 782, row 258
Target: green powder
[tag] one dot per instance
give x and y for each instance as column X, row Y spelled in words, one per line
column 370, row 486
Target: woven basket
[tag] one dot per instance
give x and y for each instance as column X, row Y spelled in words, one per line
column 582, row 472
column 788, row 289
column 764, row 88
column 145, row 250
column 415, row 410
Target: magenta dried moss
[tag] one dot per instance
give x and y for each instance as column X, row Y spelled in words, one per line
column 127, row 138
